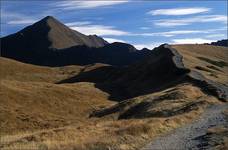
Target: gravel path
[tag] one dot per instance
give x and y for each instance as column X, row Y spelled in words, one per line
column 184, row 138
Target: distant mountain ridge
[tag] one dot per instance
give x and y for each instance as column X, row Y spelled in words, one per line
column 49, row 42
column 221, row 43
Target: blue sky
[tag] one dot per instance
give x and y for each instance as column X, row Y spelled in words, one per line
column 141, row 23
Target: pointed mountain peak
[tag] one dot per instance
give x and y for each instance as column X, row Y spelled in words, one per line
column 58, row 36
column 44, row 24
column 48, row 17
column 49, row 20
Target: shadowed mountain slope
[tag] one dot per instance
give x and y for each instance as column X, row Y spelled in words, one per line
column 48, row 42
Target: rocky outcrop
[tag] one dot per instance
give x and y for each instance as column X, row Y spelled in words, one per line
column 208, row 86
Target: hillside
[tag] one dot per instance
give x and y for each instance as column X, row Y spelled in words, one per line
column 100, row 106
column 211, row 61
column 30, row 99
column 49, row 42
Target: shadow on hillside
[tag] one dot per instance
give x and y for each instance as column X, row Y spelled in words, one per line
column 106, row 79
column 102, row 78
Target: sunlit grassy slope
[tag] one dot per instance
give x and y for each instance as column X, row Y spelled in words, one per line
column 30, row 100
column 211, row 61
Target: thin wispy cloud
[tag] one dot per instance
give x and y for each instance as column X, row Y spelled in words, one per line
column 112, row 40
column 220, row 36
column 70, row 5
column 179, row 11
column 22, row 22
column 173, row 33
column 182, row 32
column 191, row 41
column 88, row 27
column 100, row 30
column 191, row 20
column 78, row 23
column 13, row 18
column 147, row 45
column 144, row 28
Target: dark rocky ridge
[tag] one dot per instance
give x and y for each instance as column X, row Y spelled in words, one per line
column 48, row 42
column 208, row 86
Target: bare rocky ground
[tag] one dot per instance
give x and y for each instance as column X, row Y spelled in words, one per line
column 194, row 135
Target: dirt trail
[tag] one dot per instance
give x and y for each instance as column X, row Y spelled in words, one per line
column 185, row 138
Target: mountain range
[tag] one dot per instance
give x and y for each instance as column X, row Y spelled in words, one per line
column 49, row 42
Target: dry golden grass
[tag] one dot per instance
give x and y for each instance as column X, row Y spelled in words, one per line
column 103, row 133
column 30, row 102
column 34, row 105
column 122, row 134
column 14, row 70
